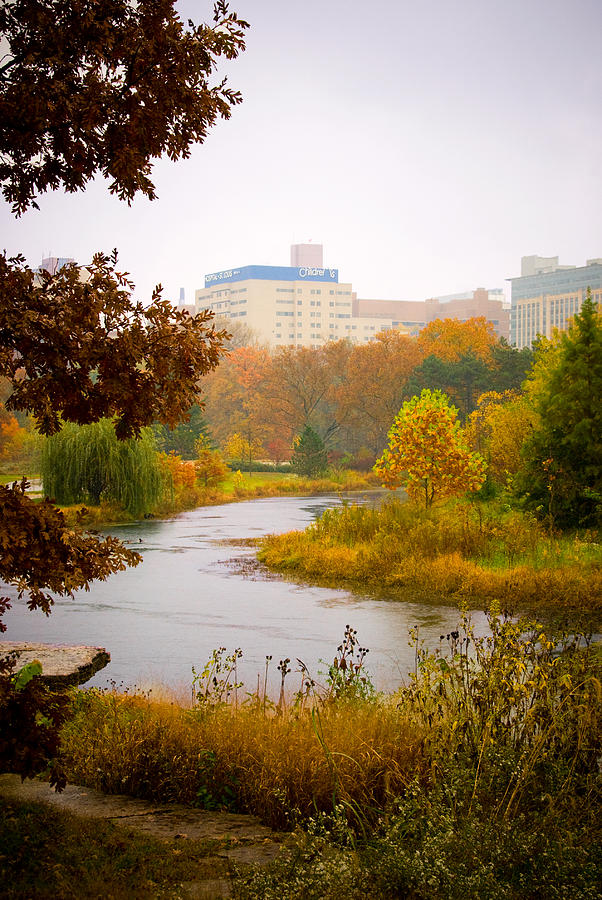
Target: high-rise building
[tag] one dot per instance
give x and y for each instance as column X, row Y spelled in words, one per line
column 547, row 296
column 52, row 264
column 300, row 306
column 304, row 304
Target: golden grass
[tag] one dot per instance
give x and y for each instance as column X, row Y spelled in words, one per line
column 277, row 764
column 451, row 555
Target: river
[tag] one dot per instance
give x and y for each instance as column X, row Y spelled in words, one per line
column 191, row 595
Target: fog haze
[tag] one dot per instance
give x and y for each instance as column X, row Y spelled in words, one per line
column 427, row 146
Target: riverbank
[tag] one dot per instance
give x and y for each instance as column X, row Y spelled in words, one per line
column 479, row 778
column 237, row 487
column 474, row 555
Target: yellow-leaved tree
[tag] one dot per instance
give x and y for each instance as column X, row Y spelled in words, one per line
column 428, row 453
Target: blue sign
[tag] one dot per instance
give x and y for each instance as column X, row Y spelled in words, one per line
column 273, row 273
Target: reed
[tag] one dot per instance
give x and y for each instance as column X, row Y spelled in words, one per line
column 458, row 553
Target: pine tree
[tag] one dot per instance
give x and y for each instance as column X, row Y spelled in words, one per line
column 309, row 455
column 562, row 477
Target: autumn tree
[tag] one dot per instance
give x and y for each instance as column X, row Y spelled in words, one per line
column 209, row 464
column 106, row 87
column 300, row 385
column 428, row 453
column 451, row 339
column 498, row 428
column 238, row 447
column 233, row 396
column 373, row 386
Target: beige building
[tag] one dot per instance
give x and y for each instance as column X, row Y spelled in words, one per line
column 304, row 304
column 299, row 306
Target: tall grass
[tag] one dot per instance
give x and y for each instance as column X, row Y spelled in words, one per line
column 473, row 554
column 279, row 765
column 479, row 778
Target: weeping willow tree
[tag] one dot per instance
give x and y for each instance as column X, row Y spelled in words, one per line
column 87, row 464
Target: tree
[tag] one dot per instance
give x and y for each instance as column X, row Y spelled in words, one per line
column 183, row 438
column 299, row 388
column 427, row 452
column 373, row 387
column 241, row 448
column 309, row 454
column 106, row 87
column 451, row 339
column 209, row 465
column 87, row 464
column 463, row 379
column 562, row 475
column 498, row 428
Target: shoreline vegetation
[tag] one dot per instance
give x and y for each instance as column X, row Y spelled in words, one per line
column 239, row 486
column 470, row 554
column 478, row 778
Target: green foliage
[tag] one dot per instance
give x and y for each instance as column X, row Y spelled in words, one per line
column 463, row 379
column 84, row 464
column 309, row 458
column 562, row 475
column 49, row 852
column 183, row 438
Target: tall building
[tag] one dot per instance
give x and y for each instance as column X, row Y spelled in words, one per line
column 304, row 304
column 52, row 264
column 300, row 306
column 547, row 296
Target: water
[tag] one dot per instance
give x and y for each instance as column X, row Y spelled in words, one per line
column 188, row 597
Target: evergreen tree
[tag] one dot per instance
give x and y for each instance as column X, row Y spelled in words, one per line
column 309, row 454
column 562, row 476
column 87, row 464
column 182, row 439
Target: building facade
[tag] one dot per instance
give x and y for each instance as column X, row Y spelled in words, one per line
column 299, row 306
column 547, row 296
column 413, row 315
column 305, row 304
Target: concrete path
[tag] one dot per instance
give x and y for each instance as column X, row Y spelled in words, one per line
column 239, row 838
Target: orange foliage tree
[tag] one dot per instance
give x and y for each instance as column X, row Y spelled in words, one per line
column 451, row 339
column 373, row 387
column 234, row 397
column 427, row 452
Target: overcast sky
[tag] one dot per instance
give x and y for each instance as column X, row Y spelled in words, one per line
column 428, row 145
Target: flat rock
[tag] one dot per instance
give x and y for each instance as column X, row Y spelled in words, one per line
column 62, row 664
column 239, row 837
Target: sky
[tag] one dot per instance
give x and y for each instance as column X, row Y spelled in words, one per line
column 427, row 146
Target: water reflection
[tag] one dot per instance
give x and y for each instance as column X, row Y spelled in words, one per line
column 186, row 599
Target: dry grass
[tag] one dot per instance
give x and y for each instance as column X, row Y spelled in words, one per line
column 278, row 764
column 455, row 554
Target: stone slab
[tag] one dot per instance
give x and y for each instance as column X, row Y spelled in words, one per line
column 62, row 664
